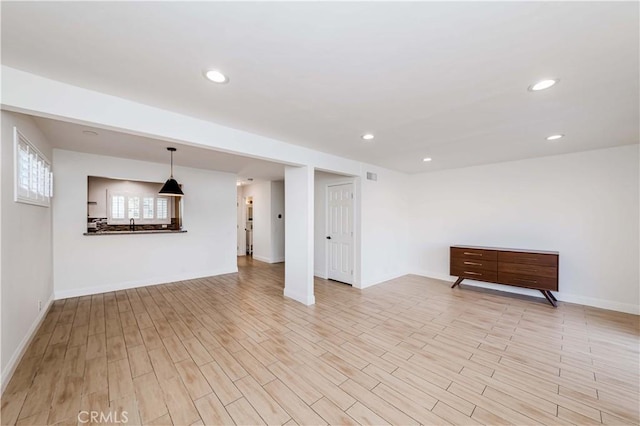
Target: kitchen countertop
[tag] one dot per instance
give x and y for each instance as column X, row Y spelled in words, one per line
column 153, row 231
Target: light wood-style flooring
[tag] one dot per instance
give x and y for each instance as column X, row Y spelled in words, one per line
column 231, row 349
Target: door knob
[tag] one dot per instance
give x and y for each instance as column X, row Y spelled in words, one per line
column 329, row 237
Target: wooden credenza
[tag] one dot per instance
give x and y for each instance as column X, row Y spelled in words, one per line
column 521, row 268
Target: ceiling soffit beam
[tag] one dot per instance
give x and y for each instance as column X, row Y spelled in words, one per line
column 28, row 93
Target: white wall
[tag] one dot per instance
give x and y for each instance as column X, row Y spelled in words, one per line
column 277, row 223
column 94, row 264
column 298, row 269
column 26, row 270
column 584, row 205
column 384, row 206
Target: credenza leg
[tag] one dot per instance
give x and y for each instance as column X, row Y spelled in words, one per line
column 458, row 281
column 549, row 297
column 552, row 296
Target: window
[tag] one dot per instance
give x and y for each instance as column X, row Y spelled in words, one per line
column 33, row 177
column 147, row 208
column 143, row 208
column 134, row 207
column 117, row 207
column 163, row 208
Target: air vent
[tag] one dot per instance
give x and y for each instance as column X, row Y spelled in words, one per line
column 372, row 176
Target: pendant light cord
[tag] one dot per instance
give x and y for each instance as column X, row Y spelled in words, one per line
column 172, row 164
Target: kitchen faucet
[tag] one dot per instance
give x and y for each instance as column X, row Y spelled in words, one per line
column 132, row 224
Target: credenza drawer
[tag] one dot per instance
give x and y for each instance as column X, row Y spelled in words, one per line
column 528, row 258
column 530, row 281
column 474, row 274
column 486, row 265
column 528, row 269
column 473, row 253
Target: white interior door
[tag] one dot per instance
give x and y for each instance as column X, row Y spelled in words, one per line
column 340, row 237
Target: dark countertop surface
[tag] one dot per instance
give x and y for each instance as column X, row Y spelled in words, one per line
column 154, row 231
column 507, row 249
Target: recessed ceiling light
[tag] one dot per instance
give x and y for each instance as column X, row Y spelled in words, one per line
column 427, row 159
column 542, row 84
column 90, row 133
column 368, row 136
column 216, row 76
column 554, row 137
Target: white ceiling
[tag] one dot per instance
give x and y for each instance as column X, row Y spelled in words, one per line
column 443, row 80
column 115, row 144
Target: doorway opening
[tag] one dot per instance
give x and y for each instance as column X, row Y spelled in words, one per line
column 336, row 229
column 261, row 220
column 248, row 226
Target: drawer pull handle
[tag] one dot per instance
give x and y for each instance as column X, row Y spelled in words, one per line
column 526, row 281
column 467, row 253
column 472, row 273
column 473, row 263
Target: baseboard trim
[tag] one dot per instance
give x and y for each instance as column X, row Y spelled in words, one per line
column 306, row 300
column 609, row 305
column 7, row 374
column 388, row 278
column 268, row 260
column 628, row 308
column 320, row 274
column 64, row 294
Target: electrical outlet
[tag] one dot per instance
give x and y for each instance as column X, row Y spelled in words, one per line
column 39, row 305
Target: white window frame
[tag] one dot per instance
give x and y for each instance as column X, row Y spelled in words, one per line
column 143, row 211
column 141, row 197
column 124, row 207
column 43, row 192
column 169, row 207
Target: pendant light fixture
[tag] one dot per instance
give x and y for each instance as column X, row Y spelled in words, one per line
column 171, row 187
